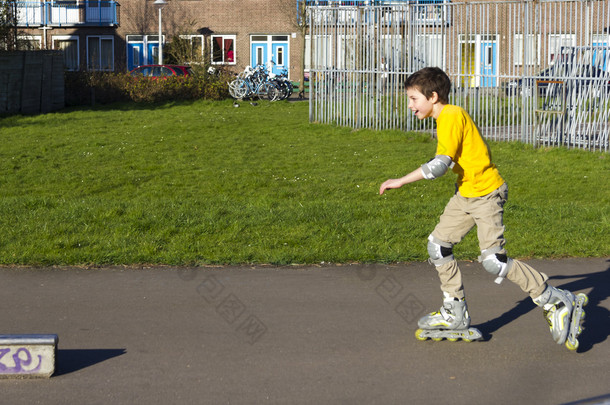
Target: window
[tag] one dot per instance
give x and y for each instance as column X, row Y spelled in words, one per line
column 29, row 42
column 100, row 11
column 322, row 56
column 155, row 54
column 280, row 56
column 100, row 53
column 346, row 53
column 223, row 49
column 532, row 50
column 136, row 56
column 260, row 60
column 558, row 44
column 193, row 47
column 489, row 56
column 160, row 71
column 153, row 50
column 146, row 71
column 429, row 50
column 393, row 54
column 68, row 44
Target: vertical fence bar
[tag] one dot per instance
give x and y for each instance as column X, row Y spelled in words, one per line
column 500, row 56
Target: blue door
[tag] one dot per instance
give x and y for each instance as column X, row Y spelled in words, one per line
column 279, row 57
column 152, row 56
column 489, row 65
column 259, row 53
column 135, row 55
column 142, row 50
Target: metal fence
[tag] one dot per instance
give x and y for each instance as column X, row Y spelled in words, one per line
column 532, row 71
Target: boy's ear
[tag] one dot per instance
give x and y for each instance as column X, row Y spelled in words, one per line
column 434, row 98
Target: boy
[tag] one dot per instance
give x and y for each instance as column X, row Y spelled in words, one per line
column 479, row 200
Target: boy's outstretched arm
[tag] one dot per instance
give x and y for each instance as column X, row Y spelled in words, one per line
column 412, row 177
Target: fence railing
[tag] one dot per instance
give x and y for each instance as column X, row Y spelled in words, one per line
column 67, row 13
column 533, row 71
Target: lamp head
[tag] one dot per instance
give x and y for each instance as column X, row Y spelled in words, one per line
column 160, row 4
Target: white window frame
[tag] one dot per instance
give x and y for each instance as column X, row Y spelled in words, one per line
column 345, row 51
column 600, row 38
column 393, row 52
column 98, row 65
column 432, row 46
column 323, row 49
column 556, row 41
column 37, row 39
column 259, row 56
column 76, row 38
column 280, row 58
column 223, row 36
column 201, row 39
column 533, row 42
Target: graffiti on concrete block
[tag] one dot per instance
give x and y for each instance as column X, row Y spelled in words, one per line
column 18, row 360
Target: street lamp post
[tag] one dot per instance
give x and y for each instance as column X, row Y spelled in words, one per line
column 160, row 4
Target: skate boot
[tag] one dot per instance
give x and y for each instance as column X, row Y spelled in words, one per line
column 564, row 313
column 452, row 322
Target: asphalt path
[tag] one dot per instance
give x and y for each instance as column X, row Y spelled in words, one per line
column 327, row 334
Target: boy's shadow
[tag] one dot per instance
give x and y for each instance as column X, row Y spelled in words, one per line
column 597, row 318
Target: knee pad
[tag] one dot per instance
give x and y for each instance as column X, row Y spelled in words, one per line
column 496, row 262
column 440, row 252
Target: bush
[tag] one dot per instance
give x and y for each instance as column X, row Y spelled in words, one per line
column 89, row 88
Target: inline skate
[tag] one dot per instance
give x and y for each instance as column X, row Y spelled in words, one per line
column 564, row 313
column 451, row 322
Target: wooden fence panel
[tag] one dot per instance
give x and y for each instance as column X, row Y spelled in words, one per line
column 31, row 82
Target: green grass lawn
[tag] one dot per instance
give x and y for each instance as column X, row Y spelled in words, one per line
column 207, row 183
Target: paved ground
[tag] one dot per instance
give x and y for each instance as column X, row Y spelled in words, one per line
column 299, row 335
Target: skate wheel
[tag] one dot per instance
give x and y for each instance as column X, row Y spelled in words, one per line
column 437, row 339
column 418, row 335
column 584, row 297
column 452, row 339
column 572, row 346
column 467, row 340
column 582, row 315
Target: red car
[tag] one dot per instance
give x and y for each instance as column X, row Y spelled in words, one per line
column 160, row 71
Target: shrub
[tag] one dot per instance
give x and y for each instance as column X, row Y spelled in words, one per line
column 99, row 87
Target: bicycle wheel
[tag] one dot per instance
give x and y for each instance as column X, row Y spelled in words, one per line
column 232, row 86
column 267, row 91
column 275, row 93
column 240, row 89
column 286, row 87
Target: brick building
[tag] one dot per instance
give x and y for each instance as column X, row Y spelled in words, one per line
column 116, row 36
column 234, row 33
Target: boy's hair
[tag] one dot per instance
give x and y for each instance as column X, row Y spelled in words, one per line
column 429, row 80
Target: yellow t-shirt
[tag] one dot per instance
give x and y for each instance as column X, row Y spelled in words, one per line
column 459, row 138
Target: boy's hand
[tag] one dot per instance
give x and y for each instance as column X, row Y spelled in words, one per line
column 390, row 183
column 415, row 175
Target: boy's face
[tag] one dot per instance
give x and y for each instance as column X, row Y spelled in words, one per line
column 421, row 106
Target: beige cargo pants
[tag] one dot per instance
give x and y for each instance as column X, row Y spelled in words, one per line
column 460, row 216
